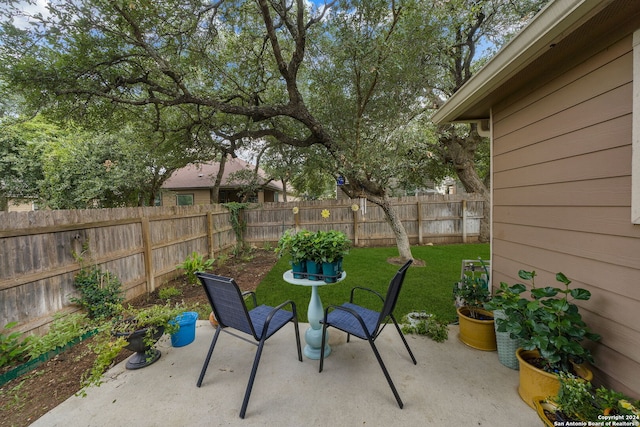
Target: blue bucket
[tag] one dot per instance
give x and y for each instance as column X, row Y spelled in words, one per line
column 187, row 332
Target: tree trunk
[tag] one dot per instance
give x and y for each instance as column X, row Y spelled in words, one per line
column 460, row 151
column 358, row 190
column 402, row 240
column 215, row 191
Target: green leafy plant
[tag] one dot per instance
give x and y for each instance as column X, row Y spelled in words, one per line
column 112, row 336
column 13, row 349
column 432, row 327
column 550, row 323
column 168, row 293
column 239, row 226
column 296, row 245
column 193, row 264
column 332, row 245
column 472, row 292
column 100, row 291
column 64, row 329
column 505, row 297
column 578, row 401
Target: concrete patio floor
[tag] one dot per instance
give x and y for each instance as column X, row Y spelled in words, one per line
column 452, row 385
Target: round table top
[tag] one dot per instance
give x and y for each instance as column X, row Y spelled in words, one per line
column 288, row 277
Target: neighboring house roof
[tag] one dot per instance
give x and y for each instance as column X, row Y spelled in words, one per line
column 532, row 52
column 203, row 175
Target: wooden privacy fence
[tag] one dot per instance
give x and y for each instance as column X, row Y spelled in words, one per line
column 142, row 246
column 427, row 219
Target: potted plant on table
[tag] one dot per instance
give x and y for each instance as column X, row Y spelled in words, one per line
column 297, row 246
column 551, row 331
column 476, row 324
column 332, row 246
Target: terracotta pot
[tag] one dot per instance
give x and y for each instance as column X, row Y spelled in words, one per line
column 212, row 320
column 476, row 333
column 535, row 382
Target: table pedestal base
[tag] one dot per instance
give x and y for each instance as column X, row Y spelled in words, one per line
column 315, row 314
column 313, row 338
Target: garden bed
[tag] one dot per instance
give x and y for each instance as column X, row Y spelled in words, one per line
column 29, row 396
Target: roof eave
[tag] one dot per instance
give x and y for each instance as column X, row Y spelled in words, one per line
column 550, row 26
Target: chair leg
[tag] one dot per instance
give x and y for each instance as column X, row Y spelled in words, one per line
column 206, row 361
column 404, row 340
column 297, row 332
column 254, row 369
column 386, row 374
column 324, row 335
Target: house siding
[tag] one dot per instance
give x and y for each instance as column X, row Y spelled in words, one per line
column 200, row 197
column 562, row 199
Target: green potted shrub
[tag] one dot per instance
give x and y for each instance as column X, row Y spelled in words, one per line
column 136, row 330
column 551, row 331
column 295, row 245
column 312, row 245
column 577, row 403
column 476, row 324
column 504, row 297
column 332, row 246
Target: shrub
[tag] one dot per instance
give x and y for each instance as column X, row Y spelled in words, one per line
column 100, row 292
column 12, row 348
column 193, row 264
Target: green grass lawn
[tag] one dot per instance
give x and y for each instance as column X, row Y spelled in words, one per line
column 427, row 288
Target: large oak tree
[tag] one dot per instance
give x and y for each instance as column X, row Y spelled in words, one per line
column 347, row 76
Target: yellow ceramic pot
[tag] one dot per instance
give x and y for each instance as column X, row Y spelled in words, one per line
column 476, row 333
column 541, row 404
column 535, row 382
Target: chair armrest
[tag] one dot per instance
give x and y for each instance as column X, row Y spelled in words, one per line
column 367, row 290
column 278, row 308
column 253, row 297
column 351, row 312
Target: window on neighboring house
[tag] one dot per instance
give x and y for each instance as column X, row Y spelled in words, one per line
column 635, row 160
column 184, row 200
column 158, row 200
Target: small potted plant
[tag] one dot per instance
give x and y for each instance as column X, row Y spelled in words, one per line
column 577, row 403
column 551, row 331
column 136, row 330
column 505, row 297
column 289, row 245
column 332, row 246
column 476, row 324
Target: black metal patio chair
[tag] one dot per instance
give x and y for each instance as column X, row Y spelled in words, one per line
column 367, row 324
column 261, row 322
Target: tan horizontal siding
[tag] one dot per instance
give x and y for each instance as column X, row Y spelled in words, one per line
column 597, row 192
column 585, row 114
column 601, row 220
column 614, row 162
column 561, row 159
column 616, row 250
column 606, row 65
column 594, row 273
column 605, row 135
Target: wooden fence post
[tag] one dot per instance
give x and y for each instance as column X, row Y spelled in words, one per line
column 419, row 213
column 355, row 227
column 147, row 251
column 464, row 220
column 210, row 235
